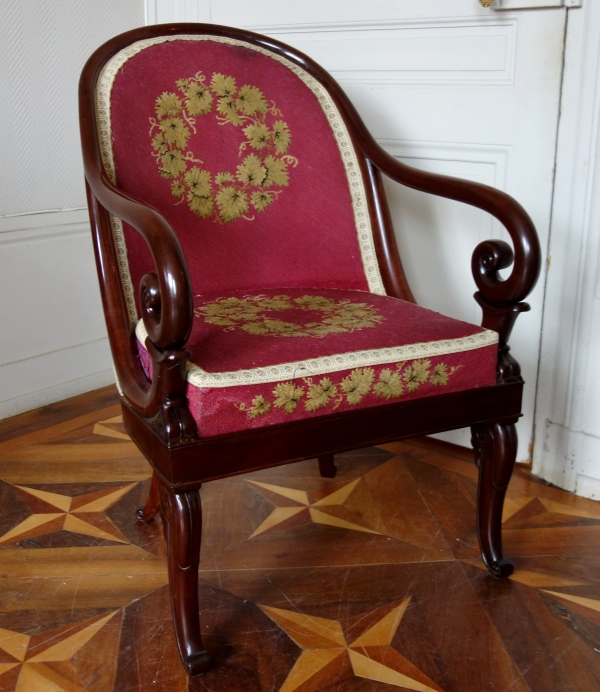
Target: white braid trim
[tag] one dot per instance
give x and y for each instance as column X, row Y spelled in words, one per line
column 326, row 364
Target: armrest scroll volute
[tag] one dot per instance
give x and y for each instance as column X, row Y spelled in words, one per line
column 166, row 305
column 500, row 299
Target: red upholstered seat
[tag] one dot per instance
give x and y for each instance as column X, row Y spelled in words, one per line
column 261, row 358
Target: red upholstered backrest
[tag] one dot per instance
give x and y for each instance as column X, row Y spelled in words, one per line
column 247, row 158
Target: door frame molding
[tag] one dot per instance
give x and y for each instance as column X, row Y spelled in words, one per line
column 564, row 453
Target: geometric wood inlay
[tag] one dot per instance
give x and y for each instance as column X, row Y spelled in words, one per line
column 81, row 514
column 306, row 508
column 74, row 451
column 52, row 661
column 328, row 658
column 588, row 607
column 110, row 428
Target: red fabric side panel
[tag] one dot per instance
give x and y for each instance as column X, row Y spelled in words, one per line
column 230, row 409
column 306, row 237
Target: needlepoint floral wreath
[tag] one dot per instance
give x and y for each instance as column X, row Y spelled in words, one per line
column 258, row 179
column 253, row 315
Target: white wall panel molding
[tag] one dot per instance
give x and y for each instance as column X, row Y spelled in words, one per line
column 151, row 11
column 43, row 225
column 471, row 50
column 487, row 164
column 54, row 376
column 567, row 444
column 435, row 51
column 399, row 23
column 497, row 156
column 54, row 342
column 262, row 12
column 169, row 11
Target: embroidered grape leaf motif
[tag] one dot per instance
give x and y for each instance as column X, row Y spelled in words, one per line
column 389, row 385
column 225, row 195
column 287, row 396
column 259, row 407
column 358, row 384
column 319, row 395
column 416, row 374
column 252, row 314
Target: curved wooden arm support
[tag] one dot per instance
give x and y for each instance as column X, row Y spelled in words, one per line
column 500, row 300
column 163, row 401
column 492, row 255
column 166, row 294
column 502, row 320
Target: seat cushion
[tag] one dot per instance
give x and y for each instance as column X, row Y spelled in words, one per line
column 280, row 355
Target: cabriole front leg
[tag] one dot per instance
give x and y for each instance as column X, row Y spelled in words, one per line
column 182, row 517
column 495, row 448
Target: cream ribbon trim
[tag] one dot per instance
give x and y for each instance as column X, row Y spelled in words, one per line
column 198, row 377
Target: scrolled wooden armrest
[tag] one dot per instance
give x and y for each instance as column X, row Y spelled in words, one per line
column 489, row 256
column 166, row 301
column 166, row 294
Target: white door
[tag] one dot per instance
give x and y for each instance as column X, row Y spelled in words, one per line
column 449, row 86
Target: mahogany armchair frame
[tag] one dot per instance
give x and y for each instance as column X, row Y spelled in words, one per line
column 156, row 415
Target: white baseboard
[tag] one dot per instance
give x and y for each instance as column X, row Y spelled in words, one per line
column 569, row 459
column 54, row 376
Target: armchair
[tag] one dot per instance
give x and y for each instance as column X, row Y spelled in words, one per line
column 230, row 178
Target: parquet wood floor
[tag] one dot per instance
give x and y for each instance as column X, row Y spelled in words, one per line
column 367, row 582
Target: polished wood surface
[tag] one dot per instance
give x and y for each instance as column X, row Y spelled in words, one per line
column 156, row 414
column 369, row 581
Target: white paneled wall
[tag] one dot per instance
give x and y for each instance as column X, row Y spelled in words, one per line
column 53, row 339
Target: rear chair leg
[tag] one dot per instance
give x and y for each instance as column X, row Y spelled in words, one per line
column 327, row 466
column 182, row 520
column 150, row 509
column 495, row 448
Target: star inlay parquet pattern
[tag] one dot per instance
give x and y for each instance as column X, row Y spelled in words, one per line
column 330, row 656
column 83, row 514
column 71, row 658
column 57, row 451
column 369, row 582
column 299, row 507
